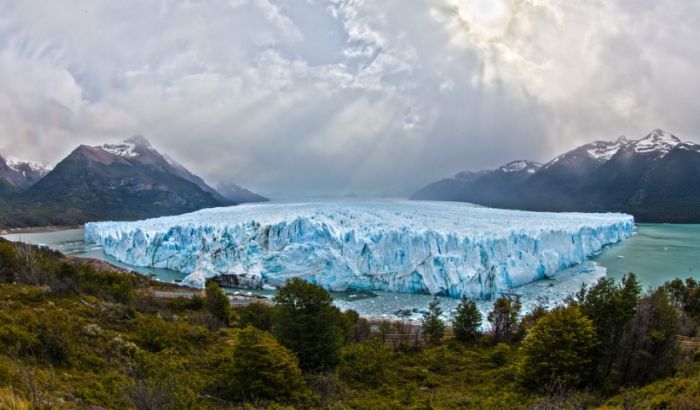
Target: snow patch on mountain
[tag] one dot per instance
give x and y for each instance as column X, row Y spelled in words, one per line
column 452, row 249
column 605, row 150
column 124, row 149
column 519, row 166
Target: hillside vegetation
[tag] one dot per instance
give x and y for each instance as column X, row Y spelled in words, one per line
column 75, row 334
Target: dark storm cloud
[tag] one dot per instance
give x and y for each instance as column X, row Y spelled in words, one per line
column 340, row 96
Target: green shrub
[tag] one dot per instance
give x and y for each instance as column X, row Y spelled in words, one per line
column 500, row 354
column 559, row 350
column 261, row 369
column 257, row 314
column 217, row 303
column 109, row 285
column 364, row 363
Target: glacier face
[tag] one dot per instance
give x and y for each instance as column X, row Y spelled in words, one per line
column 445, row 248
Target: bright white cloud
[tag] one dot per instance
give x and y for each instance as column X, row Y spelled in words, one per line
column 344, row 95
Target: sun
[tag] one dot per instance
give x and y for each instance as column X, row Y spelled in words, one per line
column 487, row 19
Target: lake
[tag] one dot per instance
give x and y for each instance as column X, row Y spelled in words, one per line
column 656, row 253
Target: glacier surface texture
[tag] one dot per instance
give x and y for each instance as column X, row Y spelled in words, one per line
column 440, row 248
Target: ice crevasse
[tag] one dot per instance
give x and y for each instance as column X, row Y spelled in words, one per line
column 443, row 248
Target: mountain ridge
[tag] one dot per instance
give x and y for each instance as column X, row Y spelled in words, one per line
column 119, row 181
column 640, row 177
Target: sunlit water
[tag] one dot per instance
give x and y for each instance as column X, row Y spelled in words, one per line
column 656, row 253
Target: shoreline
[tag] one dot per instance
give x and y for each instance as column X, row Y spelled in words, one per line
column 38, row 229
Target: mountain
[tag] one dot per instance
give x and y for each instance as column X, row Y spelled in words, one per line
column 655, row 178
column 18, row 174
column 129, row 180
column 238, row 194
column 490, row 187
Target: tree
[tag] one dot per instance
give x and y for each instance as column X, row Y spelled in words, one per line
column 504, row 318
column 433, row 328
column 558, row 350
column 307, row 323
column 467, row 321
column 261, row 369
column 610, row 307
column 649, row 349
column 217, row 303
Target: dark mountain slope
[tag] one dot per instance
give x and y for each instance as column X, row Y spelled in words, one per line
column 656, row 178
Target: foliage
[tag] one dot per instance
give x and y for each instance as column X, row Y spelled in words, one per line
column 307, row 323
column 504, row 318
column 433, row 328
column 364, row 363
column 467, row 321
column 217, row 303
column 610, row 307
column 256, row 314
column 262, row 369
column 649, row 345
column 558, row 351
column 76, row 335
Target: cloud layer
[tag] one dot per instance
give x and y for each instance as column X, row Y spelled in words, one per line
column 334, row 96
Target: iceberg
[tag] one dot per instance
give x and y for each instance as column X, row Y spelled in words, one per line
column 439, row 248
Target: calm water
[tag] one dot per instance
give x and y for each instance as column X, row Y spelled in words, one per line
column 656, row 253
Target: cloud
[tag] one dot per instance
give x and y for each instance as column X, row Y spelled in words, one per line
column 344, row 95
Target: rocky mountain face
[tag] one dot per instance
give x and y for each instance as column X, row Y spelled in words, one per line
column 655, row 178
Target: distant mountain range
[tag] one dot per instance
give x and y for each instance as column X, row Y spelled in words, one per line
column 656, row 179
column 129, row 180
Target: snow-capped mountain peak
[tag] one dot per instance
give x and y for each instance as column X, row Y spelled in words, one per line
column 519, row 166
column 657, row 141
column 25, row 165
column 604, row 150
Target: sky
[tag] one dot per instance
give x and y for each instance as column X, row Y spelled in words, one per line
column 340, row 96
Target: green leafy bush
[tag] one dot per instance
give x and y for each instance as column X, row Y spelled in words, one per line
column 559, row 350
column 262, row 369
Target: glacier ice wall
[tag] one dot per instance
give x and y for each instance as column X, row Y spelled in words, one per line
column 442, row 248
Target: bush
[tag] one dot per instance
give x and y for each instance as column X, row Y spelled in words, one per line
column 8, row 262
column 467, row 322
column 559, row 350
column 307, row 323
column 217, row 303
column 261, row 369
column 109, row 285
column 257, row 314
column 364, row 363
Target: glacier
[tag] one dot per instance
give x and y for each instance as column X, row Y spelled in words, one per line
column 439, row 248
